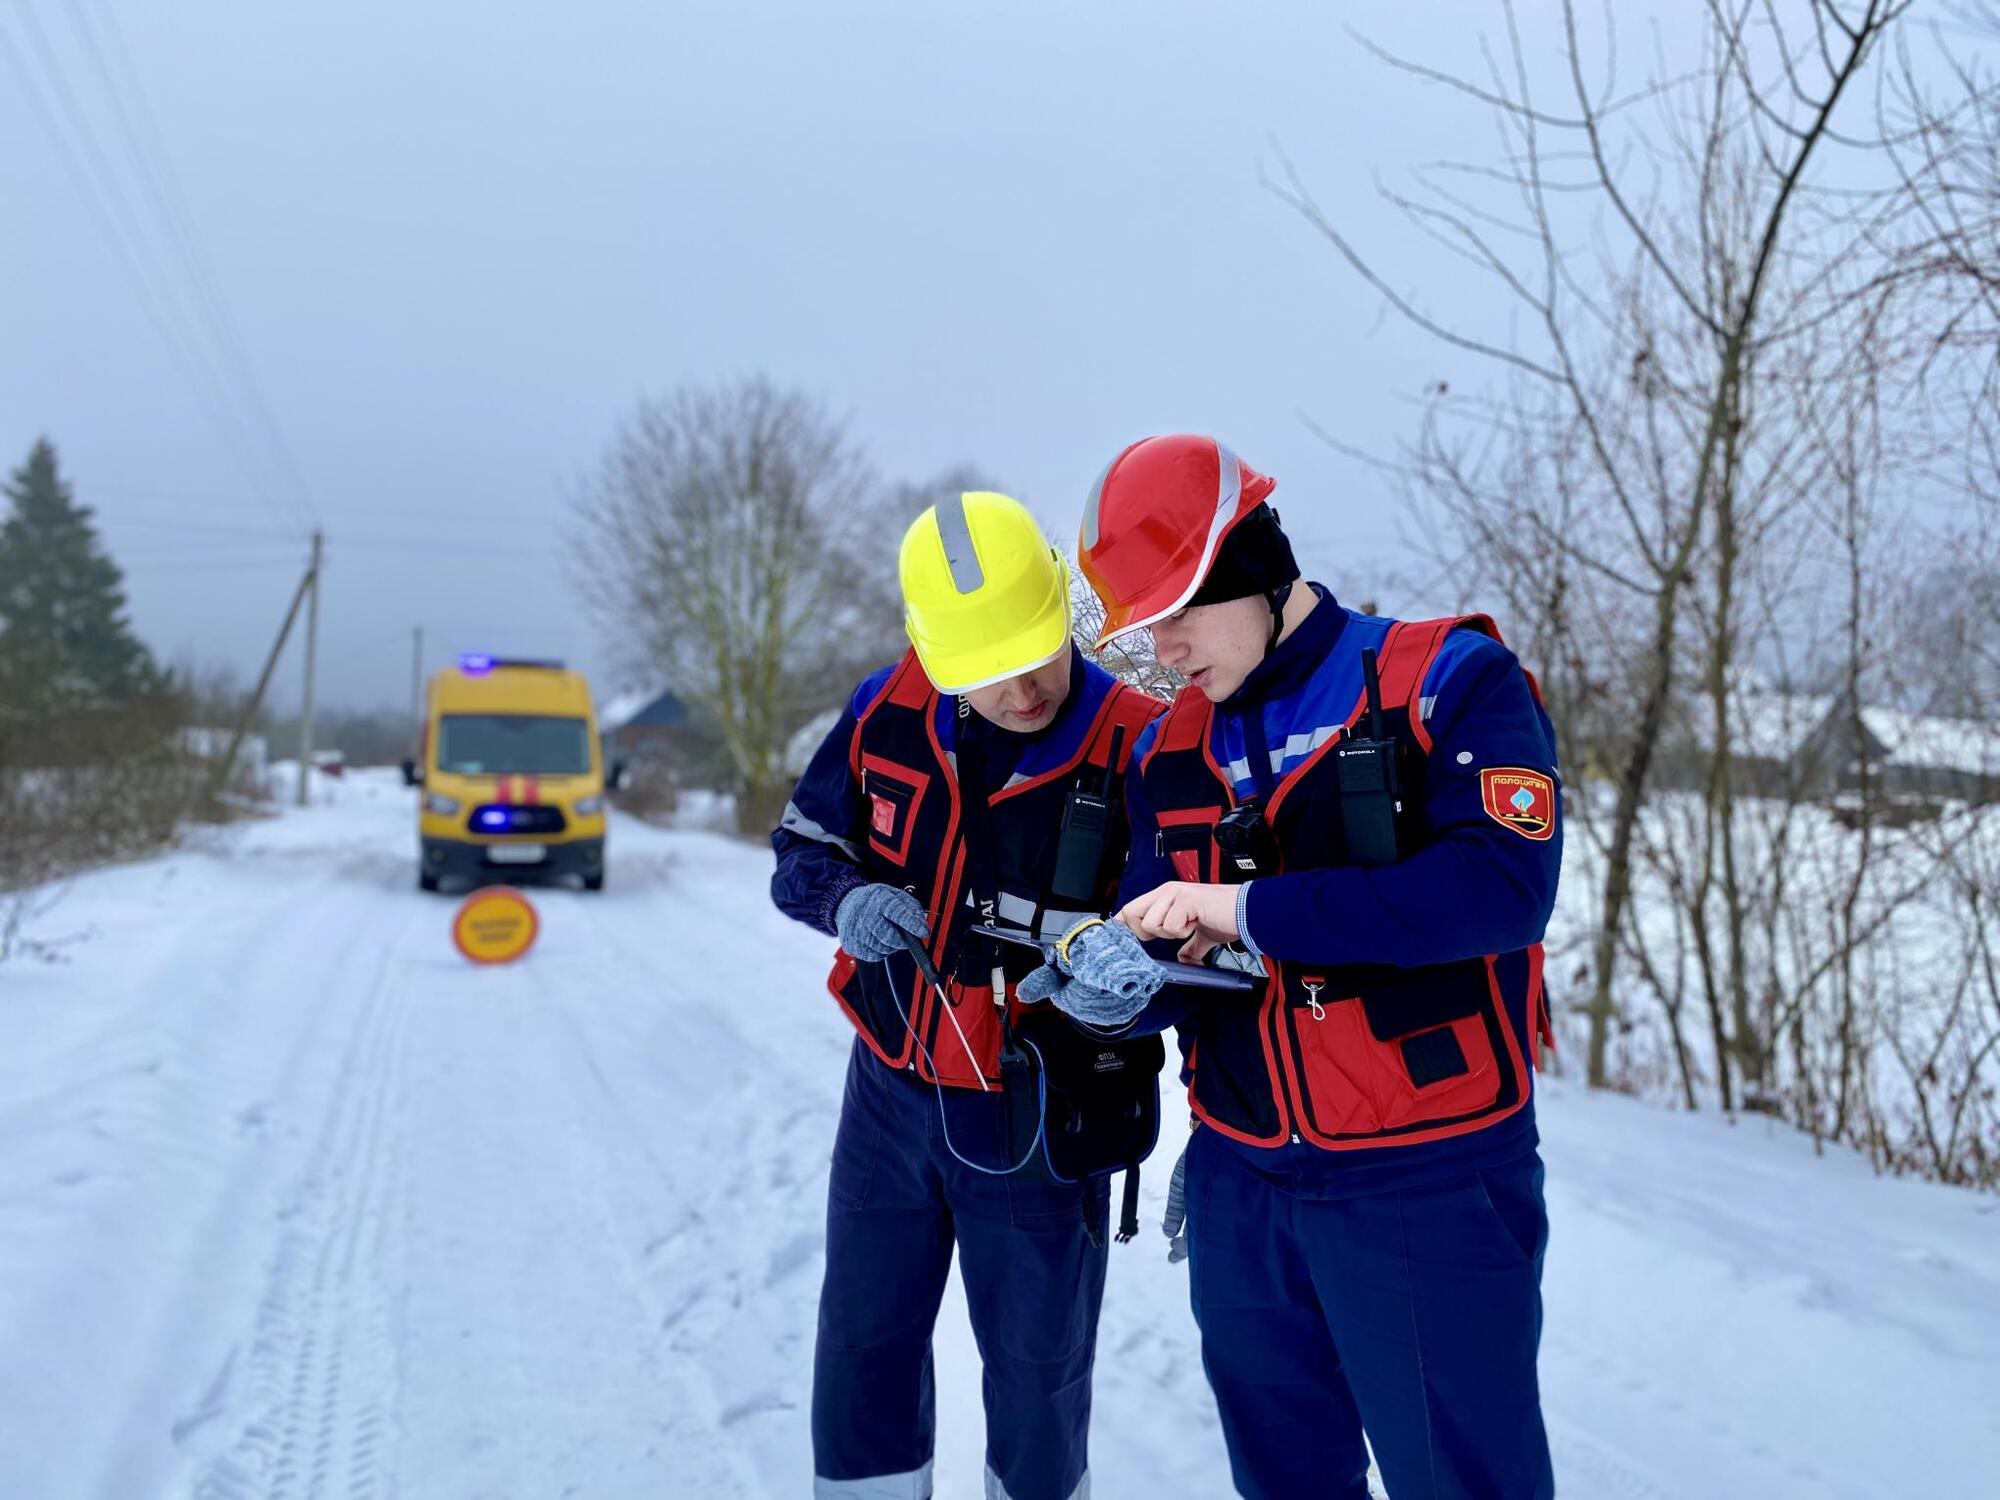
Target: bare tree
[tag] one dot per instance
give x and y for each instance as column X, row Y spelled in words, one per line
column 736, row 543
column 1940, row 113
column 1679, row 268
column 1748, row 416
column 1130, row 658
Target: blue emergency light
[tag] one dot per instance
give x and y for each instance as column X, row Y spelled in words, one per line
column 479, row 663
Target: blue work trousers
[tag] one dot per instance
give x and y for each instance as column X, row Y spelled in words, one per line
column 897, row 1202
column 1412, row 1315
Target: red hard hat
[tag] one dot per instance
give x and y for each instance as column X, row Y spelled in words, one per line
column 1154, row 522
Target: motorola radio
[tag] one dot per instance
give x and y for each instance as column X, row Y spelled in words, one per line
column 1371, row 794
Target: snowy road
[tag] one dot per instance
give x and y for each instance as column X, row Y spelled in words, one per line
column 295, row 1203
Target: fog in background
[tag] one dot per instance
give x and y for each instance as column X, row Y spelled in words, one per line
column 457, row 242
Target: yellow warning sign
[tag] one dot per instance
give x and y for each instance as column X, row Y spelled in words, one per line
column 495, row 925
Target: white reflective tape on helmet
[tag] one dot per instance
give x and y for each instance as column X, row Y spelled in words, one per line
column 955, row 531
column 1088, row 536
column 1228, row 479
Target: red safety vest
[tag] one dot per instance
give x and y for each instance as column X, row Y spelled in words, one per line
column 1356, row 1056
column 915, row 839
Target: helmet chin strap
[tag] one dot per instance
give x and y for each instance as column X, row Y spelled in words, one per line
column 1277, row 598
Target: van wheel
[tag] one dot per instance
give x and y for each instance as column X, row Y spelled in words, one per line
column 594, row 882
column 426, row 881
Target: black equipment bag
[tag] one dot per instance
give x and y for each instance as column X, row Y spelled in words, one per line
column 1094, row 1101
column 1079, row 1106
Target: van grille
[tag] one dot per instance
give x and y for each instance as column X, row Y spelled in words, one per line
column 501, row 817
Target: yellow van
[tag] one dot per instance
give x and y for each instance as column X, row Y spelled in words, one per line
column 512, row 774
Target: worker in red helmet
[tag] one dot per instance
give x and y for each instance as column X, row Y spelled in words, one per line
column 1366, row 811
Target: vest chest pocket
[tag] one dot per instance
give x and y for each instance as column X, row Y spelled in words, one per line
column 895, row 794
column 1393, row 1053
column 1187, row 839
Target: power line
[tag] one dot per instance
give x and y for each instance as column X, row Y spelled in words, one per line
column 179, row 525
column 428, row 547
column 287, row 563
column 108, row 228
column 199, row 550
column 199, row 376
column 175, row 493
column 485, row 515
column 121, row 228
column 171, row 204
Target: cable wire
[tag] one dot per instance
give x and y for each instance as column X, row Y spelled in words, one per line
column 109, row 229
column 1041, row 1102
column 155, row 170
column 95, row 181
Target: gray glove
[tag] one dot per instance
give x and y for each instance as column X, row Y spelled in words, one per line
column 871, row 921
column 1106, row 979
column 1175, row 1222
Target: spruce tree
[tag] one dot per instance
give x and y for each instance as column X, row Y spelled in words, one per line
column 65, row 643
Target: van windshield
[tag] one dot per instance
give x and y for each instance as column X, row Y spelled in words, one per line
column 513, row 744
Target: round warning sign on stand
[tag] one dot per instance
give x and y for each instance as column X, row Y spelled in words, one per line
column 495, row 925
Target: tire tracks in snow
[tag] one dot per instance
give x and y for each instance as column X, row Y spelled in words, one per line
column 319, row 1411
column 250, row 1032
column 698, row 1252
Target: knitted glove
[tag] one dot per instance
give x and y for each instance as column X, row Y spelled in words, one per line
column 1044, row 983
column 871, row 921
column 1110, row 977
column 1110, row 959
column 1175, row 1222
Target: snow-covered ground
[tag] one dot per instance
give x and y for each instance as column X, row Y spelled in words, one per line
column 294, row 1202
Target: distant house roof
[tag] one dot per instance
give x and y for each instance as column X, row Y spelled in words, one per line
column 642, row 709
column 1935, row 744
column 1776, row 726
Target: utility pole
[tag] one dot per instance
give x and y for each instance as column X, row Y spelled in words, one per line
column 312, row 654
column 416, row 677
column 220, row 776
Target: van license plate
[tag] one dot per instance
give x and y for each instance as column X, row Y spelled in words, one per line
column 517, row 854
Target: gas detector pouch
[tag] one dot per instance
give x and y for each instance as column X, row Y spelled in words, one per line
column 1081, row 1106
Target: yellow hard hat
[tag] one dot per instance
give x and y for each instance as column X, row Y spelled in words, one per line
column 985, row 597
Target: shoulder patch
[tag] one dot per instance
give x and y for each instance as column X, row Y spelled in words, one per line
column 1520, row 799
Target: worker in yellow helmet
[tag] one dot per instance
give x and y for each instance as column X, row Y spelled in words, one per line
column 978, row 781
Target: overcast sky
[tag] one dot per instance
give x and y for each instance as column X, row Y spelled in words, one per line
column 460, row 240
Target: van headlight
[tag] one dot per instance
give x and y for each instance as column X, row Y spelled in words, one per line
column 441, row 805
column 590, row 807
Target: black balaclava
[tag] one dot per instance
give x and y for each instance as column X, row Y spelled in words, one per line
column 1255, row 558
